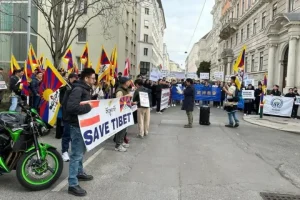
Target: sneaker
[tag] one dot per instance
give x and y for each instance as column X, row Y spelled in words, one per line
column 218, row 107
column 245, row 114
column 120, row 149
column 236, row 125
column 159, row 113
column 188, row 126
column 84, row 177
column 139, row 136
column 65, row 157
column 77, row 191
column 229, row 125
column 125, row 145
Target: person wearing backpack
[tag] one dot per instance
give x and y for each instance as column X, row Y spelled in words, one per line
column 63, row 97
column 78, row 104
column 143, row 113
column 231, row 103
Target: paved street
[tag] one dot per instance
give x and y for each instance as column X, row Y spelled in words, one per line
column 186, row 164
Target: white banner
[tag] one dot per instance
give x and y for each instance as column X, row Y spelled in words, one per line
column 297, row 102
column 164, row 73
column 191, row 75
column 204, row 76
column 281, row 106
column 144, row 99
column 106, row 118
column 3, row 85
column 165, row 97
column 248, row 94
column 179, row 75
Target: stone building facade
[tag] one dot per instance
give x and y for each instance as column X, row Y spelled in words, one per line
column 270, row 29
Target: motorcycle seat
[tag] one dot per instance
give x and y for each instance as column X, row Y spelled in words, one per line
column 11, row 120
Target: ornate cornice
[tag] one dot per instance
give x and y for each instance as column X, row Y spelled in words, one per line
column 294, row 37
column 269, row 45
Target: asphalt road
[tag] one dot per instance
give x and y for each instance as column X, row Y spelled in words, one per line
column 206, row 162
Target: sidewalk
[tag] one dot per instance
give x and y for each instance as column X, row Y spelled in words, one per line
column 278, row 123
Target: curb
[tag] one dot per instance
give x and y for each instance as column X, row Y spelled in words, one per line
column 251, row 121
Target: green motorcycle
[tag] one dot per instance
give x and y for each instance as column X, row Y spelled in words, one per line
column 37, row 165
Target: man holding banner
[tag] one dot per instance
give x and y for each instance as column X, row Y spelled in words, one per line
column 74, row 107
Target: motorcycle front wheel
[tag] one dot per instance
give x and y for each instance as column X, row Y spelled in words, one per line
column 35, row 175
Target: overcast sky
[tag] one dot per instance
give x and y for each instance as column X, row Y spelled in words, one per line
column 181, row 18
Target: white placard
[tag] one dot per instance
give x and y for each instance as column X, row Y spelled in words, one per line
column 154, row 76
column 297, row 102
column 249, row 81
column 204, row 76
column 191, row 75
column 219, row 75
column 280, row 106
column 144, row 99
column 248, row 94
column 3, row 85
column 165, row 97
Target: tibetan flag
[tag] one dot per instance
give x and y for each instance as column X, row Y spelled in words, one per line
column 13, row 65
column 84, row 58
column 114, row 64
column 69, row 60
column 28, row 69
column 103, row 67
column 41, row 63
column 127, row 68
column 33, row 59
column 75, row 69
column 239, row 68
column 49, row 91
column 24, row 84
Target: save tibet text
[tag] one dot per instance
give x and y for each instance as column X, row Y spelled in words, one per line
column 97, row 132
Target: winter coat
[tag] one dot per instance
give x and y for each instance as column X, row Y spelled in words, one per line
column 80, row 92
column 189, row 99
column 276, row 93
column 256, row 94
column 34, row 86
column 136, row 96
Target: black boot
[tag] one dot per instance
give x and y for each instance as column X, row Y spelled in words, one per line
column 84, row 177
column 77, row 191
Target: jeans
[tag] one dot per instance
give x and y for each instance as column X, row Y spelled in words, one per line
column 120, row 137
column 190, row 117
column 66, row 138
column 232, row 115
column 36, row 102
column 77, row 152
column 14, row 104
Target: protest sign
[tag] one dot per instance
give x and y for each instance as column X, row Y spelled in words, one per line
column 179, row 75
column 204, row 93
column 191, row 75
column 165, row 97
column 106, row 118
column 3, row 85
column 144, row 99
column 248, row 94
column 154, row 76
column 219, row 76
column 297, row 102
column 280, row 106
column 204, row 76
column 249, row 81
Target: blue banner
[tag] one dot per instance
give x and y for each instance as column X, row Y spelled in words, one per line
column 175, row 95
column 207, row 93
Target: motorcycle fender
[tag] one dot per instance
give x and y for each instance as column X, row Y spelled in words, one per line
column 43, row 149
column 3, row 165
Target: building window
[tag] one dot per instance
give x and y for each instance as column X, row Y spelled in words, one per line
column 254, row 26
column 248, row 31
column 146, row 24
column 81, row 35
column 242, row 35
column 263, row 20
column 144, row 68
column 249, row 3
column 291, row 5
column 243, row 6
column 231, row 43
column 261, row 60
column 236, row 38
column 237, row 10
column 252, row 62
column 79, row 64
column 274, row 9
column 147, row 11
column 145, row 51
column 145, row 38
column 82, row 7
column 227, row 44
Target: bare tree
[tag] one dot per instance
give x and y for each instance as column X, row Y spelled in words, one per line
column 63, row 17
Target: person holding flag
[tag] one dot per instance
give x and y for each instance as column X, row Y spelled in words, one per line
column 14, row 86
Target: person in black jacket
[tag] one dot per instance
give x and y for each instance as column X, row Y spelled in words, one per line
column 295, row 107
column 14, row 87
column 257, row 94
column 158, row 96
column 248, row 103
column 66, row 138
column 188, row 102
column 143, row 112
column 34, row 87
column 275, row 91
column 81, row 92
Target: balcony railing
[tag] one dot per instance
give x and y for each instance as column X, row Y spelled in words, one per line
column 228, row 28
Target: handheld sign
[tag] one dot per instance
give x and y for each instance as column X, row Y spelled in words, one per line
column 144, row 99
column 248, row 94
